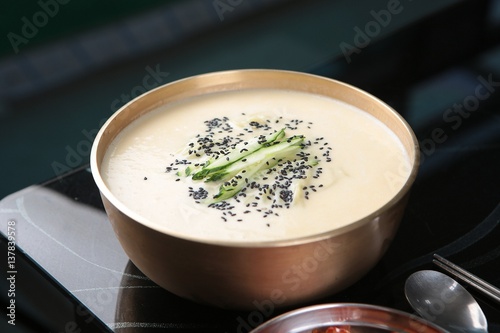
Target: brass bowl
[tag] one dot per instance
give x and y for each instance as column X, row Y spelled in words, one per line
column 352, row 316
column 244, row 275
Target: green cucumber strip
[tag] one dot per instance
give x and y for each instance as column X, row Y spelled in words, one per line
column 240, row 151
column 278, row 150
column 241, row 172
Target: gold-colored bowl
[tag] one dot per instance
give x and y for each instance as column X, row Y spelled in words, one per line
column 246, row 275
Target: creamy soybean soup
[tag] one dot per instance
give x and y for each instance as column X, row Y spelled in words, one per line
column 255, row 165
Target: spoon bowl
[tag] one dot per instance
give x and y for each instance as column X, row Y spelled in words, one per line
column 440, row 299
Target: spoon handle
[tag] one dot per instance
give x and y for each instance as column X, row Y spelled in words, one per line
column 467, row 277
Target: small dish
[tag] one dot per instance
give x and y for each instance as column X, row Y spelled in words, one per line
column 347, row 317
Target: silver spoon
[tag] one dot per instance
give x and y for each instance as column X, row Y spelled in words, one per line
column 440, row 299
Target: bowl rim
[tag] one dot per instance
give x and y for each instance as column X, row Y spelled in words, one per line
column 347, row 305
column 104, row 190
